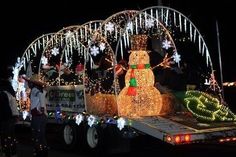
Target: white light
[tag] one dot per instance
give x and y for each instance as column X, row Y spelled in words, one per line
column 91, row 120
column 94, row 50
column 44, row 60
column 102, row 46
column 149, row 23
column 68, row 34
column 176, row 57
column 121, row 123
column 166, row 44
column 109, row 27
column 78, row 119
column 25, row 114
column 55, row 51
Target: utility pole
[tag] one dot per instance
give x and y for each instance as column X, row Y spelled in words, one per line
column 220, row 62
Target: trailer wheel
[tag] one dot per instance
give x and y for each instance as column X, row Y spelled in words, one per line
column 94, row 138
column 71, row 135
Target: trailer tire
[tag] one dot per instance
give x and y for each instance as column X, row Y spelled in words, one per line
column 72, row 135
column 95, row 139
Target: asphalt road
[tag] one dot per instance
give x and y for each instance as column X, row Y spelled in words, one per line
column 140, row 146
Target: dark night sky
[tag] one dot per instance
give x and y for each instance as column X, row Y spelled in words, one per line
column 23, row 22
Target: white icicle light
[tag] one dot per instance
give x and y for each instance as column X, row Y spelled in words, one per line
column 34, row 51
column 199, row 43
column 162, row 14
column 91, row 120
column 38, row 43
column 190, row 32
column 194, row 35
column 43, row 42
column 121, row 49
column 145, row 18
column 27, row 57
column 185, row 25
column 140, row 21
column 180, row 23
column 127, row 37
column 157, row 18
column 174, row 19
column 121, row 123
column 124, row 38
column 79, row 118
column 167, row 14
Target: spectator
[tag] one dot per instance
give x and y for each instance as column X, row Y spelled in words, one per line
column 39, row 115
column 8, row 114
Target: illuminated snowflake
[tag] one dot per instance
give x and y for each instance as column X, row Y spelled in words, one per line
column 55, row 51
column 129, row 26
column 78, row 119
column 109, row 27
column 176, row 57
column 121, row 123
column 44, row 60
column 91, row 120
column 166, row 44
column 102, row 46
column 68, row 34
column 94, row 50
column 149, row 23
column 25, row 114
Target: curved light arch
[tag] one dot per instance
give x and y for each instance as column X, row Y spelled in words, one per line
column 165, row 15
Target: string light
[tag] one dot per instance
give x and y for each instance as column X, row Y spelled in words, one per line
column 207, row 108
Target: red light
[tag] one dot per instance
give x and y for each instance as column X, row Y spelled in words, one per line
column 233, row 139
column 177, row 139
column 187, row 138
column 221, row 140
column 227, row 139
column 169, row 139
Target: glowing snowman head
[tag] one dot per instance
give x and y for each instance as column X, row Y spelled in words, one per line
column 139, row 53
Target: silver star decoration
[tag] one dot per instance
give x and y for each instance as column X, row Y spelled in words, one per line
column 94, row 50
column 109, row 27
column 166, row 44
column 55, row 51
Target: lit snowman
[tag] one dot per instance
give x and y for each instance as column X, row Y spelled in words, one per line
column 139, row 97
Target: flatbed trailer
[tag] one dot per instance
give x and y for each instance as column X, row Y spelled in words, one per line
column 178, row 130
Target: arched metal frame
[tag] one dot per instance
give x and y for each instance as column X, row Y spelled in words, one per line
column 164, row 15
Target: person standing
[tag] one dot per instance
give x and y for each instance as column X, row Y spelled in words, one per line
column 39, row 115
column 8, row 114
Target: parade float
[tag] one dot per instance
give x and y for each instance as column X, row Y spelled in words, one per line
column 146, row 71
